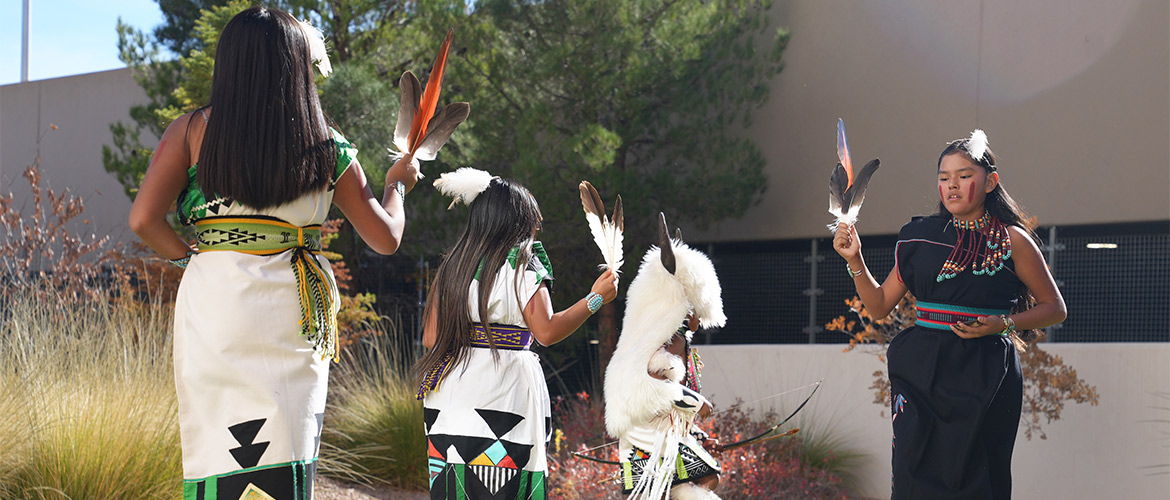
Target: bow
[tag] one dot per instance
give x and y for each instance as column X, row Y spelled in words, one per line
column 764, row 436
column 767, row 435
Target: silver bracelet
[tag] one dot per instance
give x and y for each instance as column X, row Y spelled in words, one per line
column 401, row 188
column 852, row 273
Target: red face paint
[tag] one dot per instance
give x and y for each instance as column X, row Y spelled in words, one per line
column 971, row 192
column 941, row 196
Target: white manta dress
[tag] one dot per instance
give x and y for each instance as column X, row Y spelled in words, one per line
column 487, row 425
column 251, row 387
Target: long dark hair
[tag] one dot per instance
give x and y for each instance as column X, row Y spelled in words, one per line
column 267, row 141
column 502, row 217
column 1003, row 207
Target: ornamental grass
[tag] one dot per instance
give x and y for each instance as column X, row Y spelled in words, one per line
column 88, row 399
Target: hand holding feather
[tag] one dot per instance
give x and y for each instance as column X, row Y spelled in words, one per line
column 423, row 127
column 846, row 189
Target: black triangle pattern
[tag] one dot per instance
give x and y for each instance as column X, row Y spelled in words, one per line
column 430, row 415
column 500, row 421
column 470, row 447
column 520, row 453
column 245, row 432
column 477, row 490
column 248, row 454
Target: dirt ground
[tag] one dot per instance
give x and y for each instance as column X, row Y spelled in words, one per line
column 330, row 489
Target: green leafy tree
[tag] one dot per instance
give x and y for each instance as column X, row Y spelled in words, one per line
column 643, row 98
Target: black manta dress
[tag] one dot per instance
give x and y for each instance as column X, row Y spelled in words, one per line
column 955, row 403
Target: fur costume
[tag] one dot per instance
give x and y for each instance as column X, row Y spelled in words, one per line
column 647, row 415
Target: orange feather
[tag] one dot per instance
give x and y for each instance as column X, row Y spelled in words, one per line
column 430, row 96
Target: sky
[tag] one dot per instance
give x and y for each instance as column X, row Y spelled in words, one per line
column 69, row 37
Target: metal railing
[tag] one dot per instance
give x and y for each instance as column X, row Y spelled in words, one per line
column 1116, row 287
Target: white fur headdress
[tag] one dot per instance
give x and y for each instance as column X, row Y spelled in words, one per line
column 317, row 48
column 463, row 184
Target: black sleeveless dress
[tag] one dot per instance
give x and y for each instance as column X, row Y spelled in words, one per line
column 955, row 403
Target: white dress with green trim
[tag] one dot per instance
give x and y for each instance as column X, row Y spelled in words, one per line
column 488, row 425
column 251, row 387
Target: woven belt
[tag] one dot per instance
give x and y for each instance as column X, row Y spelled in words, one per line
column 507, row 337
column 942, row 316
column 270, row 236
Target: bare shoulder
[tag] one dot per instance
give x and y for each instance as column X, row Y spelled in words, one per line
column 1023, row 246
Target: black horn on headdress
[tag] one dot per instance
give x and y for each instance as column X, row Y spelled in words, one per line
column 667, row 253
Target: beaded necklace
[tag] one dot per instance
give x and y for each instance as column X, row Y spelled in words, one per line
column 984, row 244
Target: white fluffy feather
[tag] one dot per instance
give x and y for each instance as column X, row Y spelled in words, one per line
column 463, row 184
column 317, row 50
column 977, row 144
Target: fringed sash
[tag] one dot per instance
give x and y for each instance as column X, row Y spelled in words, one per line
column 258, row 235
column 507, row 337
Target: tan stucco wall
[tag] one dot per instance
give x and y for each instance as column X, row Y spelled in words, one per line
column 1074, row 95
column 82, row 107
column 1115, row 450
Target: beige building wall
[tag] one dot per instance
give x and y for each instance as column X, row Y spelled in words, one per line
column 82, row 107
column 1074, row 96
column 1117, row 450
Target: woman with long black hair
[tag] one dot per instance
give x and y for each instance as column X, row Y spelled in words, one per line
column 256, row 172
column 485, row 402
column 982, row 290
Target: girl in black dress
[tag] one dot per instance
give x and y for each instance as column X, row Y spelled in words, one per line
column 983, row 289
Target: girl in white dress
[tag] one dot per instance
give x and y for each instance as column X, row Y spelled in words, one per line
column 485, row 401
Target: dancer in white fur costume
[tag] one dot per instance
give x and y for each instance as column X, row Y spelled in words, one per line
column 653, row 418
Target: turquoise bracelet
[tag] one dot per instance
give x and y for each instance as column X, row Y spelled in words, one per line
column 594, row 301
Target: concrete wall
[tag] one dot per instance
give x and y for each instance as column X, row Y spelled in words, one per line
column 82, row 107
column 1074, row 96
column 1119, row 449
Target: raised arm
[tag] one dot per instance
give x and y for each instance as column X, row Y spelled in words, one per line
column 548, row 327
column 379, row 224
column 880, row 299
column 165, row 179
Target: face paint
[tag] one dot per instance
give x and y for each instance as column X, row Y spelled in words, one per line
column 971, row 192
column 941, row 196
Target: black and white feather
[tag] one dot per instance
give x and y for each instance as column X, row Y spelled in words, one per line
column 847, row 190
column 607, row 230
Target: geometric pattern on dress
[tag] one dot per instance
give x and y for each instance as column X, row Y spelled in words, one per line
column 492, row 480
column 429, row 417
column 466, row 447
column 288, row 481
column 248, row 454
column 320, row 427
column 254, row 493
column 500, row 422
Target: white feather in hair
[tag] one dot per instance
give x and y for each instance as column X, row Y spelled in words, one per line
column 317, row 50
column 607, row 231
column 463, row 184
column 977, row 144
